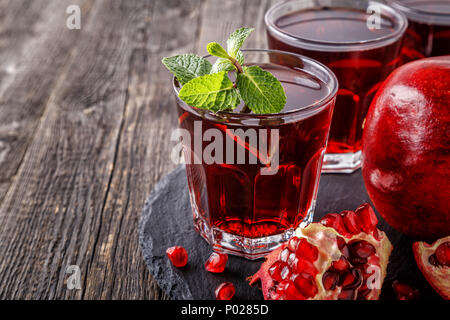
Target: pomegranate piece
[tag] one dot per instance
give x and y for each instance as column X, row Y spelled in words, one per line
column 216, row 262
column 404, row 291
column 178, row 256
column 225, row 291
column 332, row 259
column 432, row 261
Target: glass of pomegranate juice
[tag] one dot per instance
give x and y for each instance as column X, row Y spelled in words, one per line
column 428, row 32
column 253, row 178
column 359, row 41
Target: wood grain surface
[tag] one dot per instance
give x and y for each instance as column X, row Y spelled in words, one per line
column 85, row 123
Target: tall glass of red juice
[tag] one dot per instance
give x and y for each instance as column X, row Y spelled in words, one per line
column 253, row 178
column 360, row 41
column 428, row 32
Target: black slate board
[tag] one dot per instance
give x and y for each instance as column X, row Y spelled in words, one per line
column 167, row 220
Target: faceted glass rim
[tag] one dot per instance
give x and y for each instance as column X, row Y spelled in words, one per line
column 398, row 18
column 309, row 66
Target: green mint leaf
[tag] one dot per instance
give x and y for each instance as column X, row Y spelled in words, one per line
column 236, row 40
column 186, row 67
column 213, row 92
column 226, row 65
column 222, row 65
column 217, row 50
column 260, row 90
column 240, row 57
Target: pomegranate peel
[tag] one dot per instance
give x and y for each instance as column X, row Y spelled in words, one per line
column 436, row 272
column 342, row 262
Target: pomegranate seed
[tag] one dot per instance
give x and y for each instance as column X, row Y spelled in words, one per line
column 404, row 291
column 330, row 280
column 292, row 259
column 178, row 256
column 363, row 292
column 345, row 251
column 351, row 222
column 284, row 273
column 351, row 280
column 292, row 292
column 303, row 265
column 305, row 284
column 347, row 295
column 356, row 261
column 340, row 242
column 362, row 249
column 292, row 244
column 367, row 218
column 275, row 269
column 273, row 294
column 284, row 255
column 216, row 262
column 281, row 287
column 334, row 220
column 443, row 254
column 341, row 265
column 307, row 250
column 225, row 291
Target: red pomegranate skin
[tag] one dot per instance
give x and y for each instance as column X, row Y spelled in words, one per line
column 406, row 149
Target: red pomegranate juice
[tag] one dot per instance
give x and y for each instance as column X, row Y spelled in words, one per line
column 359, row 69
column 236, row 199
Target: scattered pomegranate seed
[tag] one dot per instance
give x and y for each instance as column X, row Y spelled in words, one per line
column 216, row 262
column 443, row 254
column 404, row 291
column 225, row 291
column 178, row 256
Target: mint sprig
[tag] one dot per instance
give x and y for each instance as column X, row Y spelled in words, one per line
column 209, row 87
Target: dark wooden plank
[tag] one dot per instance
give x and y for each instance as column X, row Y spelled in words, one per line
column 34, row 47
column 100, row 146
column 52, row 214
column 143, row 154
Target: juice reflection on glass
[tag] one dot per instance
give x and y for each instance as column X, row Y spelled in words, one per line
column 359, row 41
column 261, row 181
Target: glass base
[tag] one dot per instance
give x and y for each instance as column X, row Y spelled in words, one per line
column 341, row 162
column 249, row 248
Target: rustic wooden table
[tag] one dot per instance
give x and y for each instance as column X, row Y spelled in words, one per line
column 85, row 122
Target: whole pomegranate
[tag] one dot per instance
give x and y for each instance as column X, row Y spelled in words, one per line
column 406, row 149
